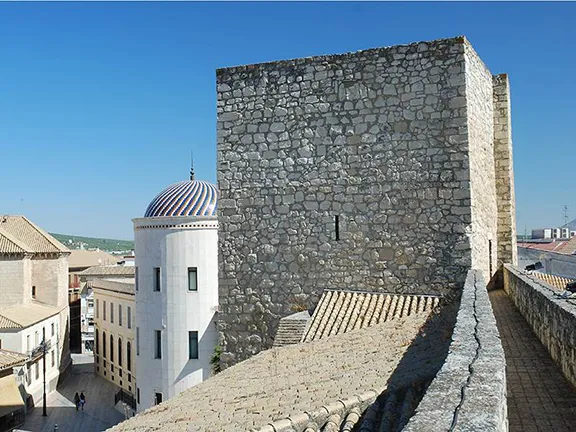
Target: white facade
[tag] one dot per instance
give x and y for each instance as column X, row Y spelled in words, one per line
column 179, row 246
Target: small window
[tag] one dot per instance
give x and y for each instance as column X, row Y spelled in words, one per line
column 158, row 398
column 53, row 358
column 52, row 327
column 129, row 317
column 111, row 313
column 192, row 279
column 156, row 278
column 96, row 343
column 119, row 352
column 158, row 344
column 97, row 308
column 137, row 341
column 136, row 278
column 111, row 348
column 192, row 344
column 120, row 315
column 138, row 394
column 34, row 292
column 104, row 310
column 337, row 227
column 129, row 357
column 104, row 345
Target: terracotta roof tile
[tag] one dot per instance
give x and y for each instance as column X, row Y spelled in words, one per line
column 342, row 311
column 10, row 359
column 125, row 285
column 25, row 315
column 19, row 235
column 111, row 270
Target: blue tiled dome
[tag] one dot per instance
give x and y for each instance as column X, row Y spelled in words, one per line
column 185, row 198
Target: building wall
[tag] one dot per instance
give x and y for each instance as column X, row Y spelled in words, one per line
column 396, row 142
column 122, row 375
column 18, row 341
column 507, row 248
column 174, row 245
column 483, row 236
column 50, row 276
column 14, row 281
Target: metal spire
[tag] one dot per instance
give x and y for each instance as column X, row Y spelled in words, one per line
column 191, row 165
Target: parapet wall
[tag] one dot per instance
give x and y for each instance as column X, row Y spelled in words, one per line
column 469, row 392
column 552, row 319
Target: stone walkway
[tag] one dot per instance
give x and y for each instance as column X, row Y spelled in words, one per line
column 539, row 397
column 99, row 413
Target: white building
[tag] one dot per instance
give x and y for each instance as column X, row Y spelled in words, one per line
column 34, row 302
column 176, row 249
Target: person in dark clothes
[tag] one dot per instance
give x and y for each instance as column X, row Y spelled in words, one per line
column 76, row 400
column 82, row 400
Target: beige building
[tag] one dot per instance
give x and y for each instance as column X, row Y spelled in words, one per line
column 114, row 335
column 34, row 302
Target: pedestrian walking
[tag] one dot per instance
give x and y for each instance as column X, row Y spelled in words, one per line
column 82, row 400
column 76, row 400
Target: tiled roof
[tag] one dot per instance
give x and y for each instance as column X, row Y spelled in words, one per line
column 556, row 281
column 6, row 323
column 85, row 258
column 568, row 247
column 10, row 359
column 25, row 315
column 341, row 311
column 19, row 235
column 293, row 380
column 125, row 285
column 553, row 246
column 111, row 270
column 291, row 329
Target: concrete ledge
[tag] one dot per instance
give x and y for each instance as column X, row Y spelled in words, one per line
column 552, row 319
column 469, row 391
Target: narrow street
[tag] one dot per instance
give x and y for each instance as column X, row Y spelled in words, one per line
column 99, row 413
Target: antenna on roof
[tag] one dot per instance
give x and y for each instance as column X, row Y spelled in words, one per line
column 191, row 165
column 565, row 214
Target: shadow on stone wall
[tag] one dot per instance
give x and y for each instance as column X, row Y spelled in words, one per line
column 414, row 373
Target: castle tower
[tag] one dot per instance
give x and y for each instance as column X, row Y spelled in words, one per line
column 176, row 249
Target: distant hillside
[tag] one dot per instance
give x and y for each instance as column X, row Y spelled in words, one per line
column 108, row 245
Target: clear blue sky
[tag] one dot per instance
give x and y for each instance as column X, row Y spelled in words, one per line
column 100, row 103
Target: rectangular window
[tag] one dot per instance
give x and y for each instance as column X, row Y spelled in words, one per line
column 37, row 367
column 120, row 315
column 34, row 292
column 158, row 344
column 52, row 327
column 136, row 278
column 192, row 344
column 53, row 358
column 111, row 313
column 156, row 278
column 337, row 227
column 158, row 398
column 104, row 310
column 192, row 279
column 97, row 308
column 138, row 394
column 129, row 317
column 137, row 341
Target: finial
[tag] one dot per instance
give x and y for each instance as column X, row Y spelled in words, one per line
column 191, row 165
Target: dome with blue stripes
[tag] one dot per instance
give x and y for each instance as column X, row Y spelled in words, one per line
column 186, row 198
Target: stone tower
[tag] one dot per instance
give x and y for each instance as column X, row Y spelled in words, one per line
column 371, row 171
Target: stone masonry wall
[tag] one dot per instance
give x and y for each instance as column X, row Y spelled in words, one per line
column 481, row 159
column 376, row 142
column 552, row 319
column 507, row 249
